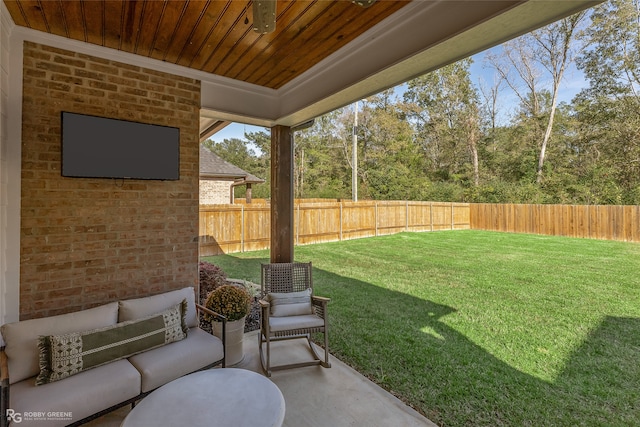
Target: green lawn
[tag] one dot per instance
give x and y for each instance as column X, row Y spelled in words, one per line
column 479, row 328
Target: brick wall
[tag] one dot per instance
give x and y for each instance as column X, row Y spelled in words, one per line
column 85, row 242
column 214, row 192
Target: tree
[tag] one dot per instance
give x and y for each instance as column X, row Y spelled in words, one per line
column 613, row 61
column 234, row 151
column 262, row 162
column 443, row 108
column 321, row 169
column 391, row 165
column 255, row 161
column 523, row 60
column 608, row 108
column 490, row 106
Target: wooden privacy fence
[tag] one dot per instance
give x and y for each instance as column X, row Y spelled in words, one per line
column 246, row 227
column 595, row 222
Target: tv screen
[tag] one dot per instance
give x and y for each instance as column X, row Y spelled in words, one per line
column 97, row 147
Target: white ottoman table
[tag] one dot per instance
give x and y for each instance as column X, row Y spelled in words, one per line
column 215, row 397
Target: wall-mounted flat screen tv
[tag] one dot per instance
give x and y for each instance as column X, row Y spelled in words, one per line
column 98, row 147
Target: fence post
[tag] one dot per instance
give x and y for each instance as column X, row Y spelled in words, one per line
column 298, row 226
column 241, row 228
column 452, row 220
column 597, row 223
column 375, row 214
column 341, row 220
column 406, row 225
column 431, row 214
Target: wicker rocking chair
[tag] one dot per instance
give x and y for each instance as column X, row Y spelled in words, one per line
column 289, row 310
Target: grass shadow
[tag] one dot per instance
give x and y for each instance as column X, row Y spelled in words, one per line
column 606, row 371
column 402, row 343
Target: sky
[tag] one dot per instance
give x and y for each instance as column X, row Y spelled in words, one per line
column 235, row 130
column 480, row 72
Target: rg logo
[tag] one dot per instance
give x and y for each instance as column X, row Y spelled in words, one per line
column 14, row 416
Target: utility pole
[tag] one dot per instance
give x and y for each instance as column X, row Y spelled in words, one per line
column 354, row 156
column 301, row 189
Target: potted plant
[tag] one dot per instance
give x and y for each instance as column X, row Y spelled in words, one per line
column 234, row 303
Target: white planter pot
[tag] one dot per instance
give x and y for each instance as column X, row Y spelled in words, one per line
column 233, row 344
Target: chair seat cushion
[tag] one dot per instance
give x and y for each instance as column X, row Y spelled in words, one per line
column 81, row 395
column 278, row 324
column 166, row 363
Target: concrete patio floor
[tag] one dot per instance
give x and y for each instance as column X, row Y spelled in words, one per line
column 318, row 397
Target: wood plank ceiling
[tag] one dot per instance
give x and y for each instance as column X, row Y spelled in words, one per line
column 211, row 36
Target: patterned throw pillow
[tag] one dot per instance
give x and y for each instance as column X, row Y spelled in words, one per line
column 64, row 355
column 290, row 303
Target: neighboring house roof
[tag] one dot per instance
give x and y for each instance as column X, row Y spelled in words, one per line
column 212, row 166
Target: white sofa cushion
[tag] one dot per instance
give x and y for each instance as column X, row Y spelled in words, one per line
column 164, row 364
column 133, row 309
column 21, row 338
column 277, row 324
column 82, row 395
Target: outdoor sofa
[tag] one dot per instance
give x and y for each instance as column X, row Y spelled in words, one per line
column 91, row 362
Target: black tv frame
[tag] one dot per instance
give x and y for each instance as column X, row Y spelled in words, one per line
column 101, row 147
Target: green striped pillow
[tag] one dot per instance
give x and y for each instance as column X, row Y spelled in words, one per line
column 64, row 355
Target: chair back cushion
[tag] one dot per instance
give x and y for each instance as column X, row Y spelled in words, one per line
column 133, row 309
column 290, row 303
column 21, row 338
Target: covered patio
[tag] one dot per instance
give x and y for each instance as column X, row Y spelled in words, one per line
column 68, row 244
column 315, row 396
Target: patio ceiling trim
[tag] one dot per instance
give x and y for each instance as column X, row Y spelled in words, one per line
column 209, row 127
